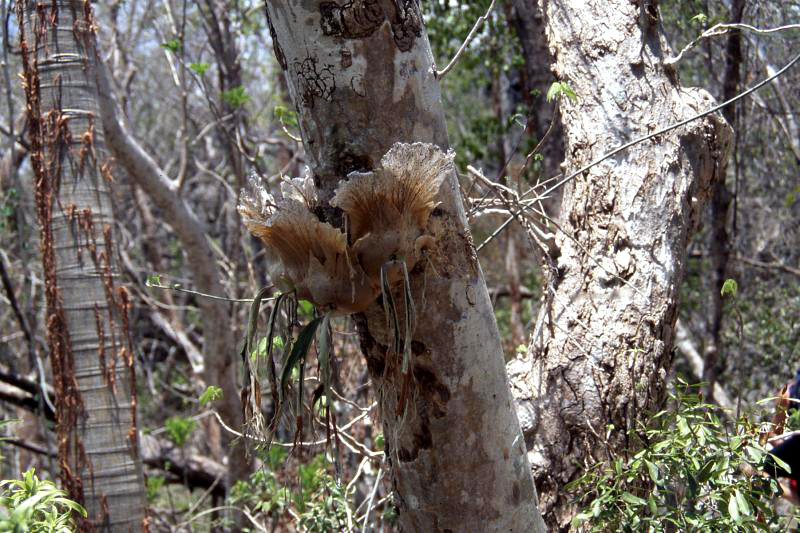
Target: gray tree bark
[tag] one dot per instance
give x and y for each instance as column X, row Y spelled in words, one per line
column 603, row 341
column 361, row 77
column 87, row 312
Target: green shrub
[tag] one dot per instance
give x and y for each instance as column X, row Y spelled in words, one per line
column 687, row 476
column 32, row 505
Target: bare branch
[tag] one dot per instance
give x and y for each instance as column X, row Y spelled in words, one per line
column 722, row 29
column 639, row 140
column 439, row 74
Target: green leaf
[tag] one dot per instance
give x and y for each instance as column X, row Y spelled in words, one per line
column 596, row 508
column 178, row 429
column 305, row 308
column 199, row 68
column 683, row 426
column 211, row 394
column 706, row 471
column 742, row 503
column 299, row 351
column 579, row 519
column 252, row 319
column 781, row 463
column 733, row 509
column 652, row 469
column 173, row 45
column 560, row 88
column 153, row 280
column 324, row 357
column 729, row 287
column 700, row 18
column 286, row 116
column 235, row 97
column 634, row 500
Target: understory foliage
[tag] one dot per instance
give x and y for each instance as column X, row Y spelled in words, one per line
column 313, row 498
column 694, row 472
column 33, row 505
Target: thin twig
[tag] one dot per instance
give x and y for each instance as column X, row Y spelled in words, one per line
column 204, row 295
column 372, row 499
column 439, row 74
column 208, row 491
column 353, row 445
column 639, row 140
column 722, row 29
column 223, row 508
column 295, row 138
column 771, row 266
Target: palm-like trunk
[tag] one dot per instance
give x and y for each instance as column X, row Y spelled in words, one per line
column 90, row 348
column 604, row 338
column 360, row 75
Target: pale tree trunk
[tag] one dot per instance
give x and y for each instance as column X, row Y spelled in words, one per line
column 87, row 311
column 360, row 75
column 603, row 341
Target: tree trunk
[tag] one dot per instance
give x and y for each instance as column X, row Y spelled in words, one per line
column 219, row 366
column 360, row 76
column 528, row 23
column 719, row 242
column 603, row 340
column 87, row 313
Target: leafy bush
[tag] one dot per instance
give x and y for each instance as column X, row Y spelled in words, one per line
column 688, row 476
column 179, row 428
column 317, row 502
column 31, row 505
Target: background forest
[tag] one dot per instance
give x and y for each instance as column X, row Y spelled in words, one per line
column 197, row 92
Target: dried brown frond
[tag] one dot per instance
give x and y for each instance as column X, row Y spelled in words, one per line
column 300, row 189
column 387, row 211
column 404, row 188
column 306, row 254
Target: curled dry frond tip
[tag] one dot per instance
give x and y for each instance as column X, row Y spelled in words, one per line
column 387, row 210
column 404, row 187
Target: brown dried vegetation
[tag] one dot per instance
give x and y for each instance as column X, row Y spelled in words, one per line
column 386, row 212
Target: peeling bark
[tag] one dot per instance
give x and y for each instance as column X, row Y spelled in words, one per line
column 360, row 76
column 604, row 339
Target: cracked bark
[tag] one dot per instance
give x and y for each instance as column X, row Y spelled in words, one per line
column 604, row 338
column 360, row 76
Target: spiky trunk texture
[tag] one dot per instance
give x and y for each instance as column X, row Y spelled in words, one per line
column 360, row 75
column 603, row 341
column 87, row 308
